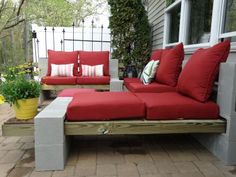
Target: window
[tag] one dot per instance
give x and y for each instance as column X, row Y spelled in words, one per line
column 174, row 24
column 230, row 16
column 199, row 21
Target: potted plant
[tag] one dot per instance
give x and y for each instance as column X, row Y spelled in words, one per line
column 21, row 92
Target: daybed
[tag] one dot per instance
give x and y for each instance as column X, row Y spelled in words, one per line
column 77, row 79
column 186, row 109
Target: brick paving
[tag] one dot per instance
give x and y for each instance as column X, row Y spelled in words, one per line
column 115, row 156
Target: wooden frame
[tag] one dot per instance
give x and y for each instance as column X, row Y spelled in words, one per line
column 61, row 87
column 26, row 128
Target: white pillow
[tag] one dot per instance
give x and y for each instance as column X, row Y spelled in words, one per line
column 65, row 70
column 149, row 72
column 91, row 71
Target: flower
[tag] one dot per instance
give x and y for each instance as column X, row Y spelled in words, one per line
column 2, row 99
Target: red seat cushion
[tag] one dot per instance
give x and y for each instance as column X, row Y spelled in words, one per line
column 170, row 66
column 173, row 105
column 82, row 80
column 153, row 87
column 60, row 57
column 72, row 91
column 198, row 76
column 95, row 58
column 55, row 80
column 105, row 106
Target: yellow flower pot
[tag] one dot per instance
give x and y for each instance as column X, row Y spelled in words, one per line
column 26, row 108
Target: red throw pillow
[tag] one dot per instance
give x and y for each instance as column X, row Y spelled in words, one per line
column 95, row 58
column 198, row 76
column 170, row 66
column 60, row 57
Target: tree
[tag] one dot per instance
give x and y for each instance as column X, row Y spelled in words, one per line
column 130, row 32
column 10, row 14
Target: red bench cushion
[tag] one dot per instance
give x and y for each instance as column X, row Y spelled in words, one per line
column 55, row 80
column 72, row 91
column 104, row 80
column 198, row 76
column 105, row 106
column 173, row 105
column 153, row 87
column 95, row 58
column 170, row 66
column 60, row 57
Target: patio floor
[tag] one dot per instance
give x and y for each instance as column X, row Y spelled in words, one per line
column 115, row 156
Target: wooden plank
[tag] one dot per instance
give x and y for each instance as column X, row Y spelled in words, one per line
column 145, row 127
column 61, row 87
column 123, row 127
column 18, row 129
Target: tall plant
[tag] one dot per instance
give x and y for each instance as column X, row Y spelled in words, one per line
column 130, row 32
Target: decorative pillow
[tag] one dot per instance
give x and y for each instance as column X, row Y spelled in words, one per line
column 149, row 72
column 170, row 66
column 92, row 71
column 60, row 57
column 95, row 58
column 198, row 76
column 62, row 70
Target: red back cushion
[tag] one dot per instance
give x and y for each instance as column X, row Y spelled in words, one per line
column 156, row 54
column 198, row 76
column 170, row 66
column 95, row 58
column 60, row 57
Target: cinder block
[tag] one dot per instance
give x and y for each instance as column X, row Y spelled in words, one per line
column 49, row 131
column 113, row 68
column 50, row 157
column 116, row 85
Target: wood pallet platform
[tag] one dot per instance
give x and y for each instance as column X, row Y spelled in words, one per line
column 61, row 87
column 14, row 127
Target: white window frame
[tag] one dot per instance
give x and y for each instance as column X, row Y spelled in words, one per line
column 217, row 26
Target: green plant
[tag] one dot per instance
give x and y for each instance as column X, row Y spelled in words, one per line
column 19, row 88
column 130, row 32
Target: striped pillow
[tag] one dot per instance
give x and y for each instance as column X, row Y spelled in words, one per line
column 91, row 71
column 65, row 70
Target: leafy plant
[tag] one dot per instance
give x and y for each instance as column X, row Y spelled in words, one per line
column 19, row 88
column 130, row 32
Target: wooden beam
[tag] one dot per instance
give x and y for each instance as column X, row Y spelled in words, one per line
column 14, row 128
column 61, row 87
column 145, row 127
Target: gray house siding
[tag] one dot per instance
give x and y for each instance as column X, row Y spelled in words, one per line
column 156, row 9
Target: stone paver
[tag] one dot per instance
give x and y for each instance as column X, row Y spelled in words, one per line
column 115, row 156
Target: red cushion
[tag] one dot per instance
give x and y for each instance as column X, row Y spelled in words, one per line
column 153, row 87
column 55, row 80
column 95, row 58
column 173, row 105
column 198, row 76
column 60, row 57
column 72, row 91
column 105, row 106
column 156, row 54
column 170, row 66
column 133, row 79
column 93, row 80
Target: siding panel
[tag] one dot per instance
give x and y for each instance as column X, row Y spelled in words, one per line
column 156, row 10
